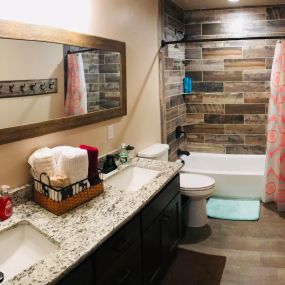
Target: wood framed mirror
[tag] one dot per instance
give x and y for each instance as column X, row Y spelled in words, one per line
column 110, row 53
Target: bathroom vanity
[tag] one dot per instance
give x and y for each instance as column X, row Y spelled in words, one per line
column 139, row 251
column 120, row 237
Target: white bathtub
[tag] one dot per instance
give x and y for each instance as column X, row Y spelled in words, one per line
column 238, row 176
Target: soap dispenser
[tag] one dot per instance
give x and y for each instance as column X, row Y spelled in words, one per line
column 6, row 207
column 123, row 153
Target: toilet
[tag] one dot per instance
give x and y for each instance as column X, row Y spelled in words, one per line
column 195, row 186
column 198, row 188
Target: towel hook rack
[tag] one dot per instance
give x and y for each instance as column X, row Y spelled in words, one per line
column 20, row 88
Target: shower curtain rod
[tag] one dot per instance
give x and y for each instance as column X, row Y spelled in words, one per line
column 84, row 50
column 195, row 40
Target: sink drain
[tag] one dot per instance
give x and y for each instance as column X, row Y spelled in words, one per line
column 1, row 277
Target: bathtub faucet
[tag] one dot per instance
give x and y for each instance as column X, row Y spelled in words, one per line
column 182, row 152
column 179, row 132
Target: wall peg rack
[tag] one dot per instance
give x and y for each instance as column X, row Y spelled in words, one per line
column 22, row 88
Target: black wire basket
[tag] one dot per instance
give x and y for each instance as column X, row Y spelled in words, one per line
column 61, row 200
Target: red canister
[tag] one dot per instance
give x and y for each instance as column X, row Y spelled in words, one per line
column 6, row 207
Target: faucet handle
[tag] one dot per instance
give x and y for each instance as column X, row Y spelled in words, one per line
column 182, row 152
column 109, row 164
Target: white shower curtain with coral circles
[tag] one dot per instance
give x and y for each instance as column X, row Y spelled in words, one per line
column 275, row 155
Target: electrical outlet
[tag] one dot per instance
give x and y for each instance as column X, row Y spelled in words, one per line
column 110, row 132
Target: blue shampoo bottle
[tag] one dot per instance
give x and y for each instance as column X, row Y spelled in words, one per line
column 189, row 85
column 185, row 84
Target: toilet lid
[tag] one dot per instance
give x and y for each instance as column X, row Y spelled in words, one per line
column 189, row 181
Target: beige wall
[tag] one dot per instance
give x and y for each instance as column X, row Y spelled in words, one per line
column 134, row 22
column 29, row 60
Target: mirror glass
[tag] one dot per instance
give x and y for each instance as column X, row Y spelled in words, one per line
column 32, row 61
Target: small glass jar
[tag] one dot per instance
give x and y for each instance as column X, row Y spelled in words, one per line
column 131, row 152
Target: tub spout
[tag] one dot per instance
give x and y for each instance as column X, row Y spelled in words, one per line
column 182, row 152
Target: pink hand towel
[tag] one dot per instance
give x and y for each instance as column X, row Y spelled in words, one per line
column 76, row 93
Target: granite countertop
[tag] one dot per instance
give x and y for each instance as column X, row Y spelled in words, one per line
column 82, row 230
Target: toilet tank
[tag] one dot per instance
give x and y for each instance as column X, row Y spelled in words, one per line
column 156, row 151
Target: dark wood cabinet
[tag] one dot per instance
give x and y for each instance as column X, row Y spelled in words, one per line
column 159, row 241
column 151, row 252
column 157, row 205
column 138, row 252
column 82, row 274
column 116, row 246
column 124, row 270
column 118, row 260
column 160, row 238
column 170, row 228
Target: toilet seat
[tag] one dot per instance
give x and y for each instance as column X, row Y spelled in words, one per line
column 195, row 182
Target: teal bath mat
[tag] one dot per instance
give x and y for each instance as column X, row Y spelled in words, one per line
column 233, row 209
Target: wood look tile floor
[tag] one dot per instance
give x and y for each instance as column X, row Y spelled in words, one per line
column 255, row 250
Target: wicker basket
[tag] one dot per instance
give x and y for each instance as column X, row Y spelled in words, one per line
column 42, row 197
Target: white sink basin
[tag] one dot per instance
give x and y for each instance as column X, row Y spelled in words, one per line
column 132, row 178
column 22, row 246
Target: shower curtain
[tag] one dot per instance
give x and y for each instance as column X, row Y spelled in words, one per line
column 76, row 94
column 275, row 155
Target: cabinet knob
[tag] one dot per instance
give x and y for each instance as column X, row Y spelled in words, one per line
column 121, row 244
column 165, row 217
column 123, row 276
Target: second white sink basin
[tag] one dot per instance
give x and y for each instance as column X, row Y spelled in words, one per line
column 132, row 178
column 22, row 246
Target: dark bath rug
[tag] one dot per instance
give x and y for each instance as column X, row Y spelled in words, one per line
column 194, row 268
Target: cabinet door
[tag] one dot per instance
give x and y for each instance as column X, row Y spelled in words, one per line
column 117, row 245
column 151, row 251
column 83, row 274
column 126, row 270
column 170, row 228
column 155, row 207
column 160, row 240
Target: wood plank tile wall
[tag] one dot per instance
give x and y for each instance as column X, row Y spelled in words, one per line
column 173, row 71
column 227, row 111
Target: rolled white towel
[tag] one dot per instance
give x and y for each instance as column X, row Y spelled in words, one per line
column 36, row 153
column 57, row 153
column 73, row 162
column 42, row 161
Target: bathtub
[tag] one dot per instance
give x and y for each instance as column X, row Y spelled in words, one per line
column 236, row 175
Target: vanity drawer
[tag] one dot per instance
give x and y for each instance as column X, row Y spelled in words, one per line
column 114, row 247
column 156, row 206
column 126, row 270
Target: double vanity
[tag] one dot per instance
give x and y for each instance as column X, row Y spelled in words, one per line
column 126, row 235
